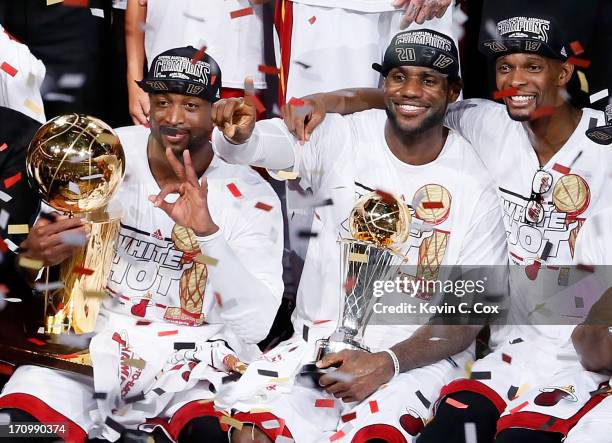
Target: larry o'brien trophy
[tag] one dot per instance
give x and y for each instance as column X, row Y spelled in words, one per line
column 378, row 223
column 76, row 163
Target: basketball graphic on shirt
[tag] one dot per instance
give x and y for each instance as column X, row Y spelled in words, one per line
column 434, row 202
column 571, row 195
column 192, row 282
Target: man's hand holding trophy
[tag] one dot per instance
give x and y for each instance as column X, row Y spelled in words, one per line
column 344, row 366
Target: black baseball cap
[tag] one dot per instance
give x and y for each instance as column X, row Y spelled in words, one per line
column 184, row 71
column 422, row 47
column 525, row 34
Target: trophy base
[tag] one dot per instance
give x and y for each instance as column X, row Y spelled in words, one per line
column 327, row 346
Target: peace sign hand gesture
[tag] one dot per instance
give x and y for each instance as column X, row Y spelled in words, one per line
column 191, row 207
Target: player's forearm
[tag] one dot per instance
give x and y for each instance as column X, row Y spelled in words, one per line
column 432, row 343
column 248, row 305
column 268, row 147
column 594, row 346
column 134, row 39
column 349, row 101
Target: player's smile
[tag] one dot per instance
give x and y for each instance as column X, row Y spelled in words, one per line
column 410, row 109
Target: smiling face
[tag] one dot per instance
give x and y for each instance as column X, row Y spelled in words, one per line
column 180, row 121
column 539, row 81
column 416, row 98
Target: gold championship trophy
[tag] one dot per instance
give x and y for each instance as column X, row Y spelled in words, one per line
column 76, row 164
column 378, row 222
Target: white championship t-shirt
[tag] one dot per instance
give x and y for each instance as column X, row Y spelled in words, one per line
column 456, row 218
column 580, row 186
column 236, row 44
column 594, row 246
column 355, row 5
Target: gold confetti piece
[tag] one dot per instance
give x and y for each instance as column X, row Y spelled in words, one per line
column 206, row 260
column 133, row 362
column 287, row 175
column 279, row 380
column 32, row 106
column 226, row 419
column 25, row 262
column 18, row 229
column 53, row 2
column 259, row 410
column 584, row 84
column 468, row 369
column 361, row 258
column 203, row 402
column 95, row 294
column 521, row 390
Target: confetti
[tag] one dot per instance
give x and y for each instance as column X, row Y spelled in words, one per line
column 49, row 286
column 422, row 399
column 598, row 96
column 519, row 407
column 301, row 64
column 32, row 106
column 234, row 190
column 337, row 435
column 29, row 263
column 4, row 218
column 348, row 417
column 18, row 229
column 100, row 395
column 263, row 206
column 92, row 177
column 580, row 62
column 199, row 55
column 3, row 147
column 326, row 202
column 218, row 299
column 373, row 406
column 584, row 84
column 305, row 330
column 456, row 404
column 480, row 375
column 36, row 341
column 114, row 425
column 577, row 48
column 579, row 302
column 545, row 111
column 205, row 260
column 134, row 363
column 5, row 197
column 10, row 181
column 73, row 239
column 561, row 169
column 269, row 70
column 74, row 188
column 546, row 250
column 167, row 333
column 135, row 398
column 97, row 12
column 306, row 234
column 259, row 106
column 10, row 70
column 94, row 294
column 508, row 92
column 312, row 19
column 231, row 377
column 3, row 246
column 159, row 391
column 241, row 12
column 469, row 430
column 356, row 257
column 512, row 392
column 506, row 358
column 386, row 197
column 296, row 102
column 586, row 268
column 267, row 373
column 184, row 345
column 82, row 270
column 53, row 2
column 324, row 403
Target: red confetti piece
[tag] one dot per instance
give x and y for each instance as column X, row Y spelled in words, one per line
column 76, row 3
column 167, row 333
column 3, row 246
column 433, row 205
column 143, row 323
column 337, row 435
column 213, row 80
column 324, row 403
column 234, row 190
column 3, row 147
column 509, row 92
column 199, row 55
column 349, row 284
column 387, row 198
column 506, row 358
column 348, row 417
column 218, row 299
column 320, row 322
column 263, row 206
column 580, row 62
column 312, row 19
column 519, row 407
column 36, row 341
column 296, row 102
column 68, row 356
column 560, row 168
column 576, row 47
column 241, row 12
column 455, row 403
column 10, row 181
column 10, row 70
column 259, row 106
column 545, row 111
column 271, row 70
column 586, row 268
column 373, row 406
column 82, row 270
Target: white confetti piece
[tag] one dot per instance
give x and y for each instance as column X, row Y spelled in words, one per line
column 5, row 197
column 598, row 96
column 92, row 177
column 5, row 419
column 13, row 300
column 74, row 188
column 71, row 81
column 12, row 246
column 57, row 97
column 283, row 439
column 4, row 218
column 470, row 432
column 97, row 12
column 49, row 286
column 73, row 239
column 270, row 424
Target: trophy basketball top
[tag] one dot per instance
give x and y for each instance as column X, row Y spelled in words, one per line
column 76, row 163
column 380, row 218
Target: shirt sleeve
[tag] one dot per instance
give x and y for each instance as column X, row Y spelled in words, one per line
column 589, row 243
column 248, row 274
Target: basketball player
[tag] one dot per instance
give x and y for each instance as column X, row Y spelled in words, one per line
column 405, row 151
column 195, row 282
column 550, row 178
